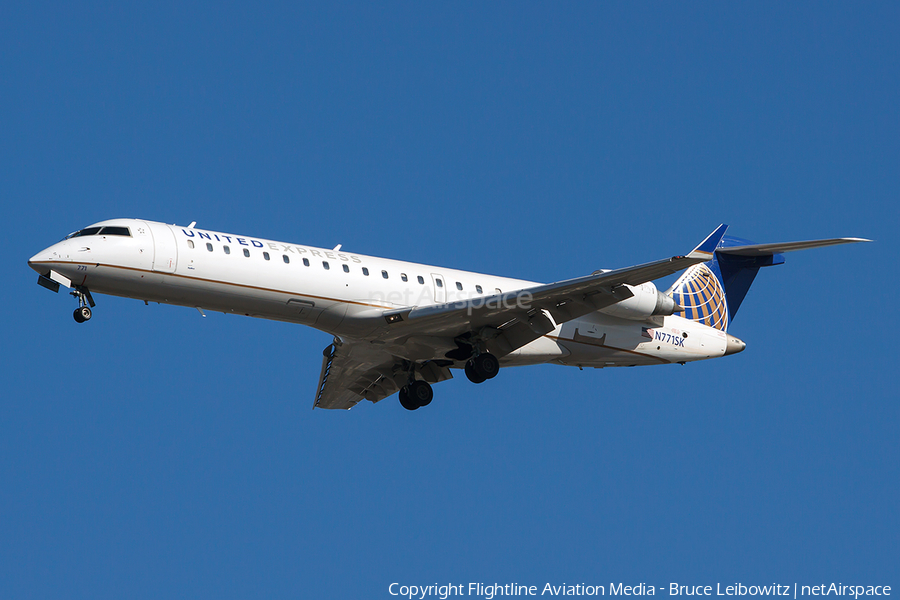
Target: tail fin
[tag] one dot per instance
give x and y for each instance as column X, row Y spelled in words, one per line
column 712, row 292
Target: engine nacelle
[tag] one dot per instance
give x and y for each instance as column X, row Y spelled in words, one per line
column 646, row 302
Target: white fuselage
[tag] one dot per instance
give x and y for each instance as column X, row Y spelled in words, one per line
column 339, row 292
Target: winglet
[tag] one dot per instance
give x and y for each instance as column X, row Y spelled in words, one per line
column 708, row 246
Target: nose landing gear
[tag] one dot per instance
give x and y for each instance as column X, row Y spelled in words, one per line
column 83, row 312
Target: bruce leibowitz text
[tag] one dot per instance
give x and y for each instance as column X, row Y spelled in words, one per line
column 490, row 591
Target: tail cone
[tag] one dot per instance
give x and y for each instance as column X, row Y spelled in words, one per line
column 733, row 345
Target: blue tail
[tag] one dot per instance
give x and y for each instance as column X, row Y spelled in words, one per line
column 712, row 292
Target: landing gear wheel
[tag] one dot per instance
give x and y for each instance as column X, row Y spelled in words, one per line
column 85, row 303
column 472, row 375
column 407, row 402
column 485, row 365
column 420, row 392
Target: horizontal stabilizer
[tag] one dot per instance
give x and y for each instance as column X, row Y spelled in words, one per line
column 766, row 249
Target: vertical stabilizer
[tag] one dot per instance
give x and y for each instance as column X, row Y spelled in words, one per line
column 712, row 292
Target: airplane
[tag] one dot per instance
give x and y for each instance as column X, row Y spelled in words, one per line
column 401, row 326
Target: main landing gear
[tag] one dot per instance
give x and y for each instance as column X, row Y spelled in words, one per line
column 83, row 312
column 418, row 393
column 482, row 367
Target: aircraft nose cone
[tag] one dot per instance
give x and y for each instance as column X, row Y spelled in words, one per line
column 34, row 260
column 733, row 345
column 39, row 261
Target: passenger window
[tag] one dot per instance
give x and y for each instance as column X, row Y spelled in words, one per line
column 246, row 253
column 226, row 249
column 346, row 269
column 305, row 262
column 190, row 243
column 384, row 274
column 325, row 264
column 403, row 277
column 421, row 279
column 266, row 255
column 365, row 271
column 439, row 282
column 209, row 246
column 478, row 289
column 285, row 258
column 458, row 285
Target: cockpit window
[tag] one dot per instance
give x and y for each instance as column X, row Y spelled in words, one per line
column 123, row 231
column 84, row 232
column 116, row 231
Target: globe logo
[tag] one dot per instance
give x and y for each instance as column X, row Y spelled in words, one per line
column 699, row 292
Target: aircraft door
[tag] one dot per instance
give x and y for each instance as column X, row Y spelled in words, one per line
column 165, row 250
column 440, row 288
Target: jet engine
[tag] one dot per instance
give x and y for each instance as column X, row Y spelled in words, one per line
column 647, row 301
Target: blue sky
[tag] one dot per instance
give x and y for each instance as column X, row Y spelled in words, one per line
column 154, row 453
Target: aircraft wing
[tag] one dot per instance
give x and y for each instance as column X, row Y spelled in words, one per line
column 348, row 371
column 361, row 370
column 355, row 371
column 518, row 316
